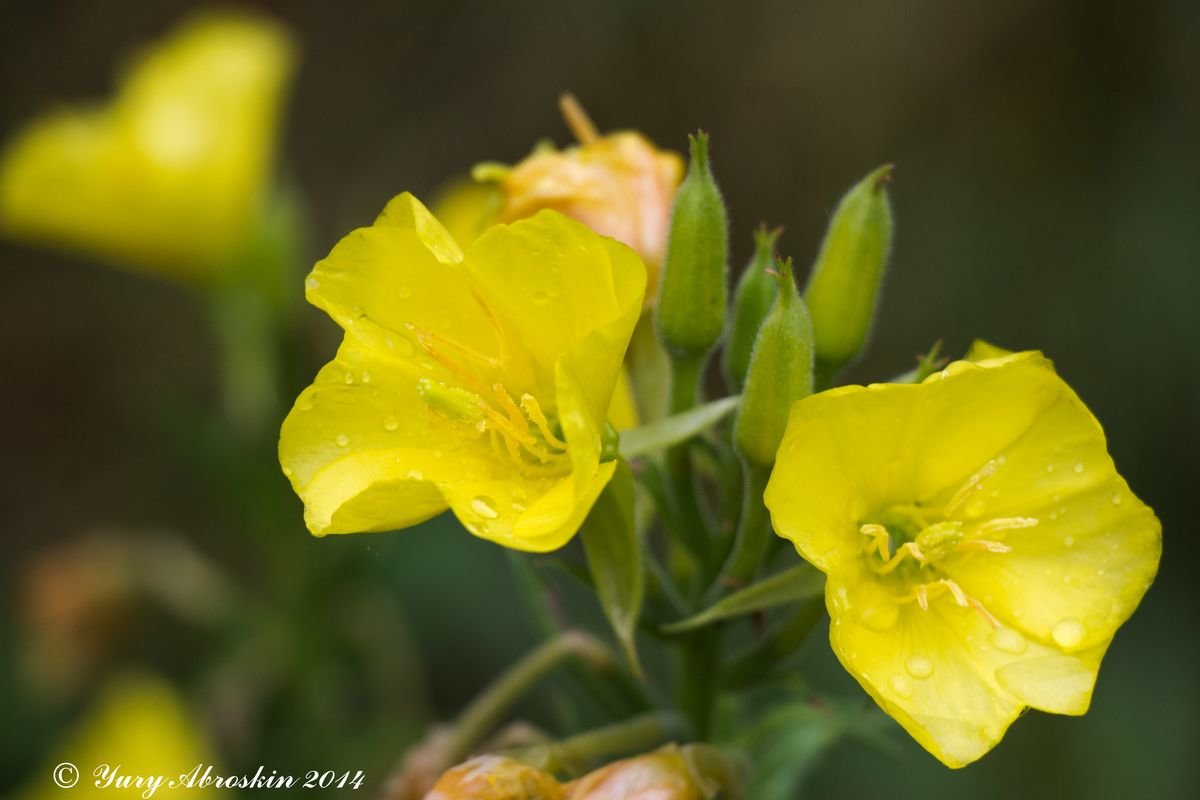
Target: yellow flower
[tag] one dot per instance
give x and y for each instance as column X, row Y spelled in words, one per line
column 495, row 778
column 169, row 177
column 981, row 549
column 138, row 727
column 619, row 185
column 476, row 381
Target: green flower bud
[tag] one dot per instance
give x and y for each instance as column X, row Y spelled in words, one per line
column 844, row 286
column 751, row 301
column 692, row 293
column 781, row 372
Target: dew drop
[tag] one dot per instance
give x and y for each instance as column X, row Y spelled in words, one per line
column 518, row 507
column 919, row 666
column 312, row 283
column 436, row 453
column 391, row 423
column 1009, row 641
column 366, row 377
column 415, row 475
column 1069, row 541
column 1116, row 498
column 1067, row 632
column 1078, row 468
column 880, row 617
column 901, row 685
column 287, row 471
column 349, row 379
column 342, row 440
column 404, row 292
column 1049, row 468
column 484, row 507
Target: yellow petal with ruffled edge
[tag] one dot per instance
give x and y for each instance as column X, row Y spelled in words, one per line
column 1055, row 551
column 171, row 176
column 459, row 384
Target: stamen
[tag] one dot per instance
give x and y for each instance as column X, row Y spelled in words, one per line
column 963, row 600
column 960, row 497
column 905, row 550
column 534, row 410
column 506, row 402
column 985, row 544
column 1005, row 524
column 577, row 119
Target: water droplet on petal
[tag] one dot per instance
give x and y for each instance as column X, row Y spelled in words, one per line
column 366, row 377
column 391, row 423
column 1067, row 633
column 312, row 283
column 1069, row 541
column 919, row 666
column 484, row 507
column 415, row 475
column 1116, row 498
column 349, row 379
column 879, row 617
column 342, row 440
column 287, row 471
column 1009, row 641
column 1049, row 468
column 1078, row 468
column 404, row 292
column 901, row 685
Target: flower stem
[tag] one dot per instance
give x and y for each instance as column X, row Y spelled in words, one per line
column 481, row 716
column 572, row 755
column 754, row 525
column 686, row 372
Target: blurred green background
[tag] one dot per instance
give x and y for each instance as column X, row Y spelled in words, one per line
column 1047, row 195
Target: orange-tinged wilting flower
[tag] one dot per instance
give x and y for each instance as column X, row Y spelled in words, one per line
column 495, row 778
column 476, row 381
column 618, row 184
column 980, row 548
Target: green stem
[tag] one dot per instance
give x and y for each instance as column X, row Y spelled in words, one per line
column 700, row 668
column 572, row 755
column 754, row 526
column 482, row 715
column 686, row 372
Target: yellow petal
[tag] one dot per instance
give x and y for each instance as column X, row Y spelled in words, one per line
column 565, row 291
column 467, row 208
column 950, row 679
column 171, row 176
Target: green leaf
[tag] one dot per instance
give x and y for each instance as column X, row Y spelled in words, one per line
column 614, row 556
column 790, row 586
column 790, row 741
column 675, row 429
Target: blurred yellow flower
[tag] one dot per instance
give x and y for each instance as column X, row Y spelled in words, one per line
column 169, row 177
column 476, row 381
column 139, row 727
column 981, row 549
column 495, row 778
column 619, row 185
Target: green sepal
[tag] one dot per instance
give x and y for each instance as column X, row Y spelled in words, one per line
column 752, row 301
column 614, row 556
column 675, row 429
column 790, row 586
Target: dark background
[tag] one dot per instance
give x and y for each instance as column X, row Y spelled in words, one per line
column 1047, row 195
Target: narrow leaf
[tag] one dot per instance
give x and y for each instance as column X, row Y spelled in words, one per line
column 790, row 586
column 675, row 429
column 614, row 556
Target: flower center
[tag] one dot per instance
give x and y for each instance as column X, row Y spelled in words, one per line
column 907, row 546
column 520, row 431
